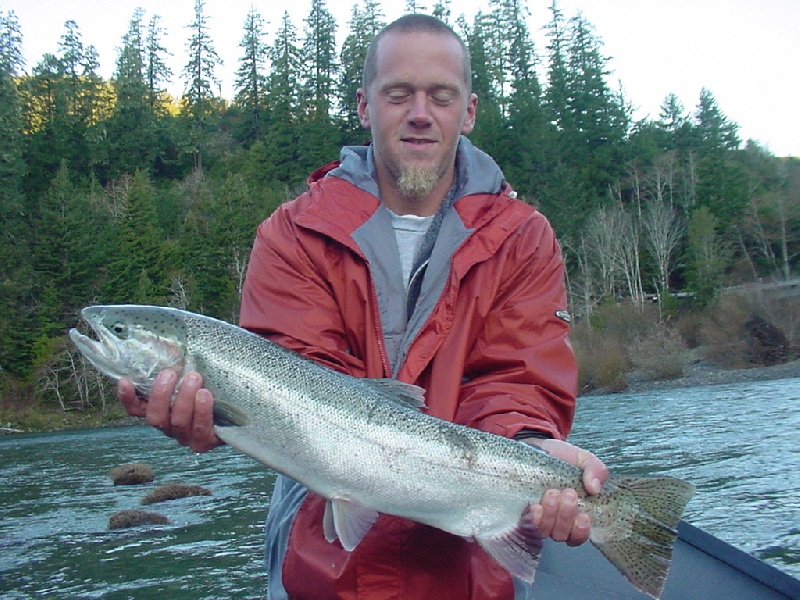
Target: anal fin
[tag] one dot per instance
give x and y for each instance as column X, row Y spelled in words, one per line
column 517, row 549
column 348, row 521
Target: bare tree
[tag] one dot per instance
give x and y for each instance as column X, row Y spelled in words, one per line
column 615, row 239
column 581, row 281
column 663, row 230
column 768, row 224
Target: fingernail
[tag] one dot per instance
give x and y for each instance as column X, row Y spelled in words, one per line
column 166, row 377
column 192, row 379
column 596, row 485
column 583, row 521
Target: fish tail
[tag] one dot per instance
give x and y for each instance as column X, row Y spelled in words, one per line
column 644, row 552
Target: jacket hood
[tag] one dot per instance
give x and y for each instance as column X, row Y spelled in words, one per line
column 477, row 172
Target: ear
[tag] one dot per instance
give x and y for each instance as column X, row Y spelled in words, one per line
column 469, row 118
column 363, row 113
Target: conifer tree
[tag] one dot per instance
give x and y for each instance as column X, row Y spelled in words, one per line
column 363, row 26
column 318, row 134
column 138, row 265
column 281, row 137
column 15, row 274
column 490, row 128
column 11, row 62
column 251, row 80
column 132, row 126
column 441, row 10
column 199, row 99
column 721, row 182
column 157, row 71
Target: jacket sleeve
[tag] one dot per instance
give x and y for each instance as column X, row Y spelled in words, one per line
column 521, row 373
column 287, row 296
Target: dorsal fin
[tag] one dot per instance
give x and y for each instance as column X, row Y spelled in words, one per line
column 405, row 394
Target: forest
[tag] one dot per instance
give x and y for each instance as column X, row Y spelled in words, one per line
column 113, row 191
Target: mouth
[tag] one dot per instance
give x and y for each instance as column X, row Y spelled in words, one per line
column 103, row 348
column 418, row 142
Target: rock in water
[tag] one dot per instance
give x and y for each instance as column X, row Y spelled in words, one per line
column 173, row 491
column 135, row 518
column 131, row 474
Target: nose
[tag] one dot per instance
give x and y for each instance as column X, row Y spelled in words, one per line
column 418, row 113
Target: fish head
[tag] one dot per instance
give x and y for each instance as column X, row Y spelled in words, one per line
column 135, row 342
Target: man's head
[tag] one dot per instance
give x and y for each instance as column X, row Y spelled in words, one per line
column 417, row 101
column 414, row 23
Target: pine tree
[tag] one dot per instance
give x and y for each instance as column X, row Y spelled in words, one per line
column 199, row 101
column 11, row 62
column 319, row 59
column 490, row 127
column 281, row 138
column 138, row 270
column 65, row 103
column 319, row 136
column 88, row 99
column 132, row 127
column 557, row 94
column 591, row 124
column 156, row 69
column 721, row 180
column 251, row 80
column 441, row 10
column 364, row 25
column 527, row 119
column 16, row 298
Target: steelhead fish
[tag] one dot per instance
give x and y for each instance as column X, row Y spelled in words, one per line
column 365, row 445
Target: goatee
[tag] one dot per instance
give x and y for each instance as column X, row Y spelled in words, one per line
column 417, row 182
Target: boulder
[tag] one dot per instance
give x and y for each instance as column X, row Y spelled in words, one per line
column 131, row 474
column 767, row 344
column 173, row 491
column 135, row 518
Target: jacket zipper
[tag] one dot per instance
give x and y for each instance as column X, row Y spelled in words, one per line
column 376, row 324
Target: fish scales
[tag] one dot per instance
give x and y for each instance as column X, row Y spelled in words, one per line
column 367, row 446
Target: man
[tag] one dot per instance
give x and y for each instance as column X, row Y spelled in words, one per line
column 410, row 258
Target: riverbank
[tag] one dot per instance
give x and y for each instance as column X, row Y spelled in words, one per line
column 698, row 372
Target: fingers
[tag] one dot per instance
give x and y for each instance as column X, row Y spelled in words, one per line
column 178, row 421
column 557, row 517
column 160, row 400
column 185, row 414
column 134, row 404
column 595, row 473
column 203, row 437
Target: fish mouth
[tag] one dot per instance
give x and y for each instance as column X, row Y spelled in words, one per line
column 104, row 353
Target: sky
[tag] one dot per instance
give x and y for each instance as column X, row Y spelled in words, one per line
column 746, row 52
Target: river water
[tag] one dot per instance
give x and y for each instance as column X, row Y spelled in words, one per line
column 739, row 444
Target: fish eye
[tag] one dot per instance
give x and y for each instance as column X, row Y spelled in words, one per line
column 118, row 328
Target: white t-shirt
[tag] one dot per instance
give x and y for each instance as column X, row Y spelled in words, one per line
column 409, row 231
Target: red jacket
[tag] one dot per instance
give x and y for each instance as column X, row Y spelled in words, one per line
column 488, row 342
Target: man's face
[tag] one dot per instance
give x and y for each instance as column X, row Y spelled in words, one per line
column 416, row 107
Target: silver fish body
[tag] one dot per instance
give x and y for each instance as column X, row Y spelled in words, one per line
column 366, row 446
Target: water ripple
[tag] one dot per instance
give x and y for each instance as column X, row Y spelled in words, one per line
column 738, row 444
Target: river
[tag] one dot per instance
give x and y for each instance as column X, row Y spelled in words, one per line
column 739, row 444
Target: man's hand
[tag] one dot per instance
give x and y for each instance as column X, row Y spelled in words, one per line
column 557, row 515
column 189, row 419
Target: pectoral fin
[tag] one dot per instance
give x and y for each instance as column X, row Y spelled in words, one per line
column 517, row 550
column 348, row 521
column 229, row 415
